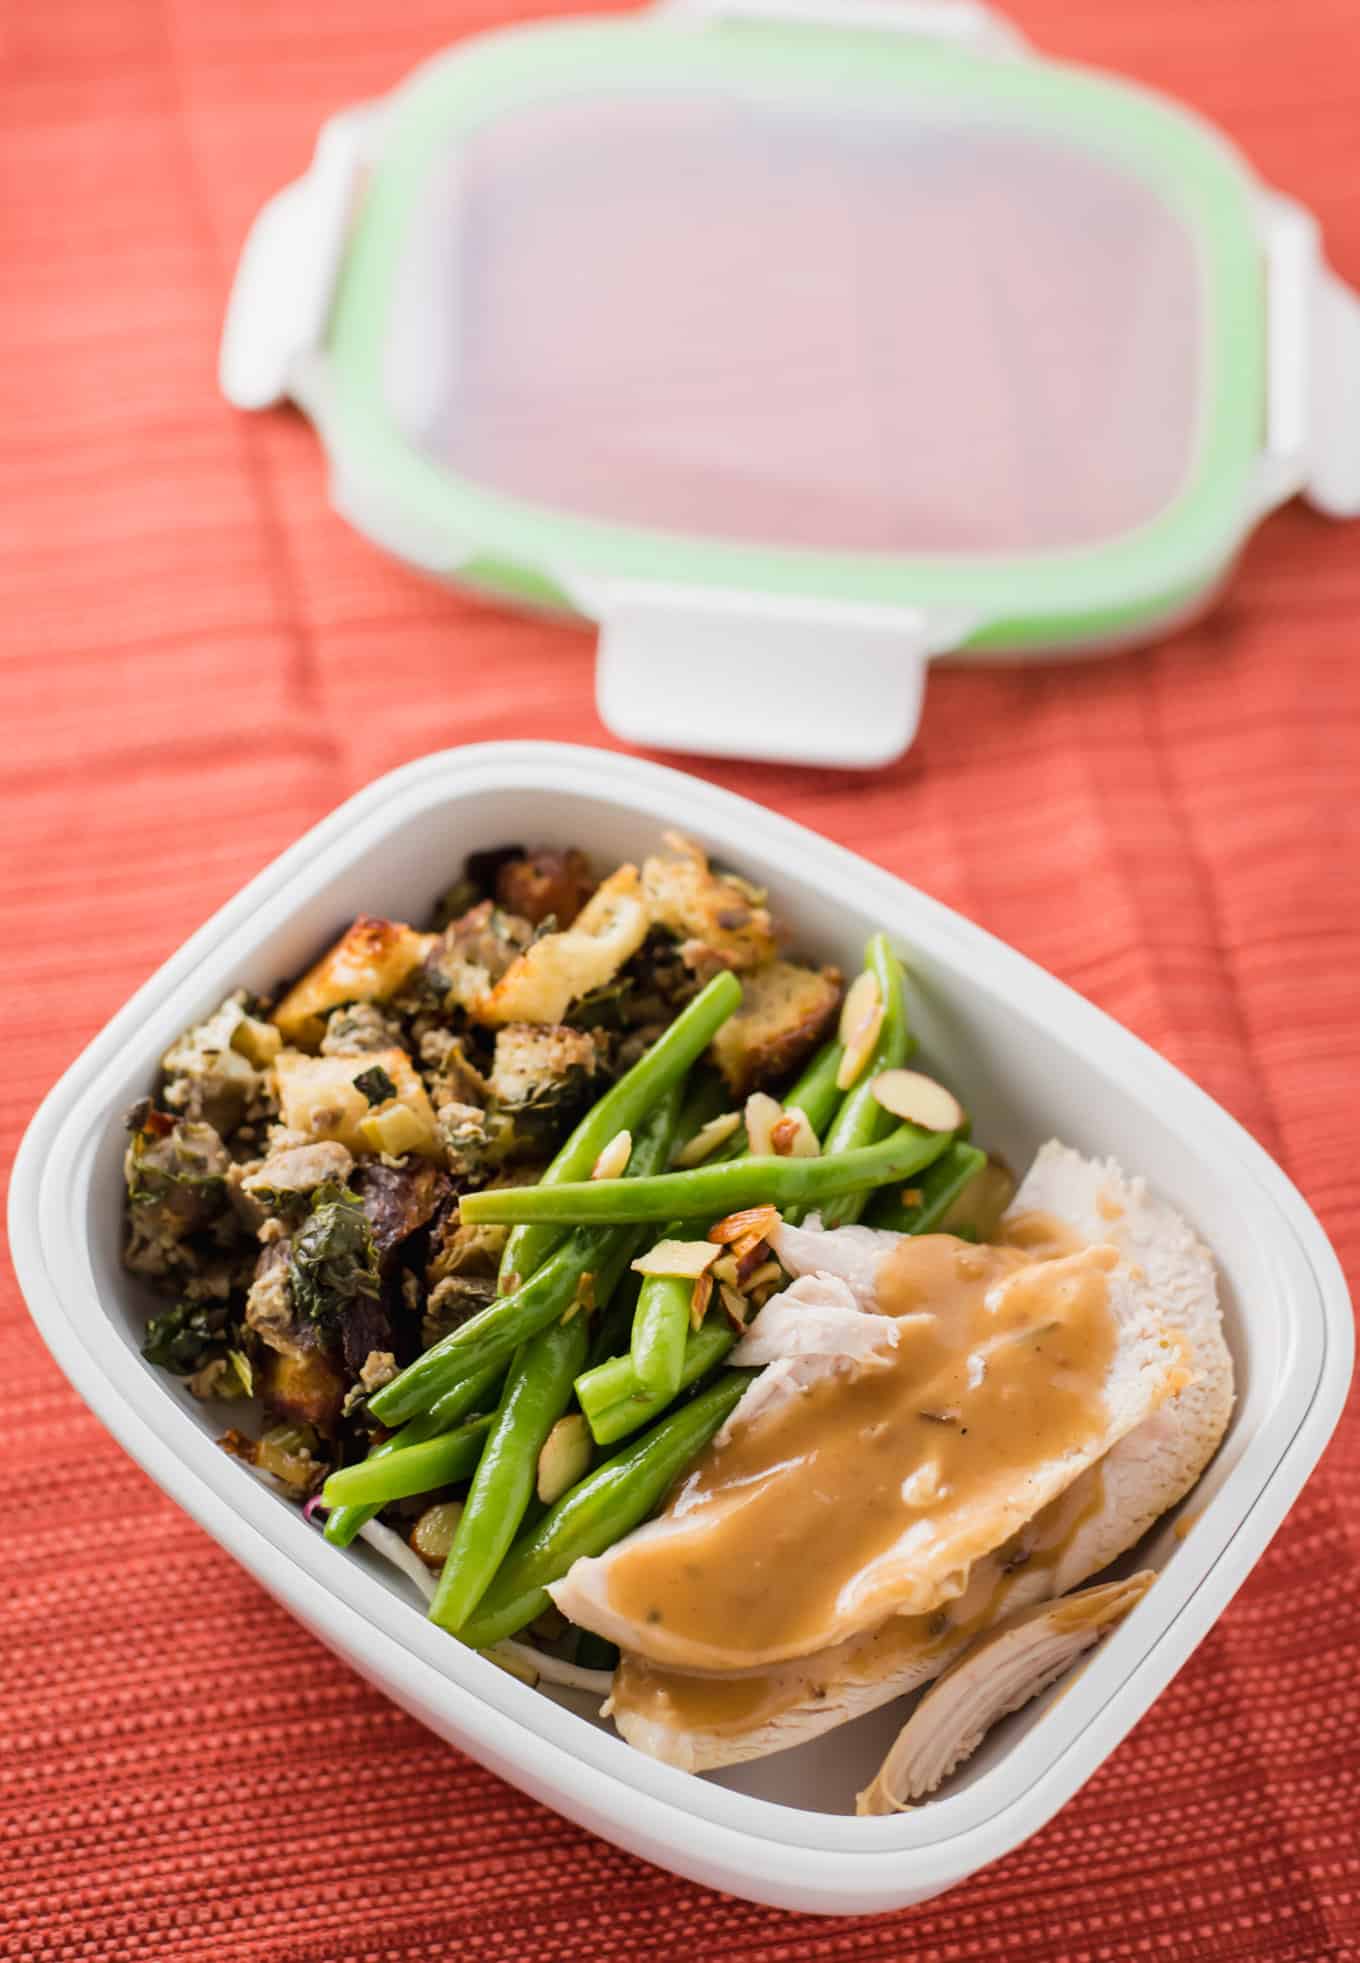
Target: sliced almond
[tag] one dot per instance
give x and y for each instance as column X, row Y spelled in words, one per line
column 735, row 1307
column 707, row 1139
column 725, row 1269
column 687, row 1259
column 758, row 1220
column 918, row 1099
column 861, row 1020
column 750, row 1253
column 767, row 1272
column 792, row 1136
column 583, row 1299
column 613, row 1161
column 762, row 1115
column 699, row 1300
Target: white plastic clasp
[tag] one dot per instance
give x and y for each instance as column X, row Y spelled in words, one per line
column 1333, row 482
column 1312, row 440
column 285, row 281
column 785, row 680
column 966, row 23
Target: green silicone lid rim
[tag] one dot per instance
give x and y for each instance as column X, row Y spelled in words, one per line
column 1020, row 598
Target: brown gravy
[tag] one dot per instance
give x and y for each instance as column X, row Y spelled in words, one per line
column 873, row 1495
column 912, row 1648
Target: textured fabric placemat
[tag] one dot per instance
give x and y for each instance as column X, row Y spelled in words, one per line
column 199, row 660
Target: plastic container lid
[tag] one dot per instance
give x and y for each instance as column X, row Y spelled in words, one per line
column 795, row 353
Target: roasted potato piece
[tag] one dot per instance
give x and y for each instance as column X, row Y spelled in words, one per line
column 368, row 963
column 303, row 1385
column 721, row 915
column 785, row 1012
column 546, row 885
column 542, row 983
column 318, row 1099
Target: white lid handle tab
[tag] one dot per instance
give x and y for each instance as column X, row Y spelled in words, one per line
column 1313, row 375
column 281, row 296
column 780, row 680
column 1334, row 420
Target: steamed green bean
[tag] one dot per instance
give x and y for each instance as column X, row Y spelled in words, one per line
column 604, row 1506
column 711, row 1191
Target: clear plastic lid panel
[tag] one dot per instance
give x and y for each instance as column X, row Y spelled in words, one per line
column 904, row 333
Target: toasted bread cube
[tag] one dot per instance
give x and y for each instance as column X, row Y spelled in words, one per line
column 540, row 985
column 368, row 963
column 785, row 1012
column 318, row 1098
column 714, row 911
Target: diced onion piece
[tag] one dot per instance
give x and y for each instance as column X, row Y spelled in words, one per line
column 918, row 1099
column 792, row 1136
column 613, row 1160
column 762, row 1115
column 861, row 1020
column 258, row 1042
column 735, row 1306
column 395, row 1130
column 707, row 1139
column 688, row 1259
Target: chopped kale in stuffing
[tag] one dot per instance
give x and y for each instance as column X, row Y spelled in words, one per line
column 298, row 1263
column 186, row 1337
column 333, row 1261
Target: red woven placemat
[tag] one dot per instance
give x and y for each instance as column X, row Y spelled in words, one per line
column 198, row 660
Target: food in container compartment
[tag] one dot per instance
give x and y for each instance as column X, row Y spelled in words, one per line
column 604, row 1264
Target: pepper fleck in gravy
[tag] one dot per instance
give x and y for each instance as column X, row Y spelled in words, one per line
column 873, row 1494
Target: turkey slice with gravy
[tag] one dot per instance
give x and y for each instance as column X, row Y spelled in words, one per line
column 697, row 1722
column 862, row 1479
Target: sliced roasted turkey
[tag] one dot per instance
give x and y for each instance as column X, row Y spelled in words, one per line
column 678, row 1718
column 997, row 1674
column 881, row 1456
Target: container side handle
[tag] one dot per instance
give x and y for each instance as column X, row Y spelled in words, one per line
column 790, row 681
column 1334, row 400
column 1312, row 436
column 281, row 297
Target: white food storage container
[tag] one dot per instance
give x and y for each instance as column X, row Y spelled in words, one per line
column 1030, row 1059
column 796, row 342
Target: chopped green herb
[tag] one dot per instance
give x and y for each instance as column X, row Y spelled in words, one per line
column 375, row 1084
column 186, row 1337
column 333, row 1260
